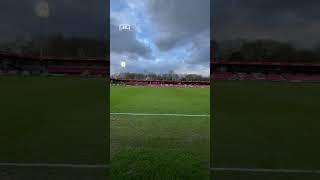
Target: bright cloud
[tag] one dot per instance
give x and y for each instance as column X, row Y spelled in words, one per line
column 168, row 35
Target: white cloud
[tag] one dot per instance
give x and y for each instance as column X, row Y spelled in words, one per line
column 175, row 33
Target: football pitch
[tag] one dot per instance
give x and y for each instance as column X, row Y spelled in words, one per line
column 53, row 128
column 168, row 139
column 265, row 131
column 259, row 130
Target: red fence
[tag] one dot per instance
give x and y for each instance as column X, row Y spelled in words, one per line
column 160, row 83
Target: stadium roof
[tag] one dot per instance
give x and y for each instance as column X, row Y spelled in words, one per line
column 48, row 58
column 265, row 63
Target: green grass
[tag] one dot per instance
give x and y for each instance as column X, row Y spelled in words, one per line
column 265, row 125
column 160, row 100
column 53, row 120
column 64, row 120
column 158, row 147
column 44, row 173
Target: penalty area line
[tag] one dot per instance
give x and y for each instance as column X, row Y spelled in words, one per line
column 49, row 165
column 252, row 170
column 152, row 114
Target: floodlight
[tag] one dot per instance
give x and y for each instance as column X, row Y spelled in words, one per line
column 42, row 9
column 123, row 64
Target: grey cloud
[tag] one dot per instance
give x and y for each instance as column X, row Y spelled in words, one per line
column 200, row 52
column 177, row 25
column 69, row 17
column 178, row 20
column 127, row 43
column 284, row 20
column 141, row 65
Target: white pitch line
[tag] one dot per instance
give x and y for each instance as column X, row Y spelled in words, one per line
column 54, row 165
column 298, row 171
column 150, row 114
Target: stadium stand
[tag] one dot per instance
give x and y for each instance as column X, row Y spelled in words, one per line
column 160, row 83
column 12, row 64
column 271, row 71
column 16, row 64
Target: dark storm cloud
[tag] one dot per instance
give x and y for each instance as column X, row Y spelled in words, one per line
column 200, row 51
column 177, row 31
column 178, row 20
column 295, row 21
column 69, row 17
column 126, row 42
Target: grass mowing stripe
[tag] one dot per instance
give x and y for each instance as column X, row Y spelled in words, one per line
column 54, row 120
column 55, row 165
column 299, row 171
column 151, row 138
column 266, row 124
column 151, row 114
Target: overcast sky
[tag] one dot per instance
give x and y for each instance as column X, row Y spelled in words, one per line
column 82, row 18
column 296, row 21
column 166, row 35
